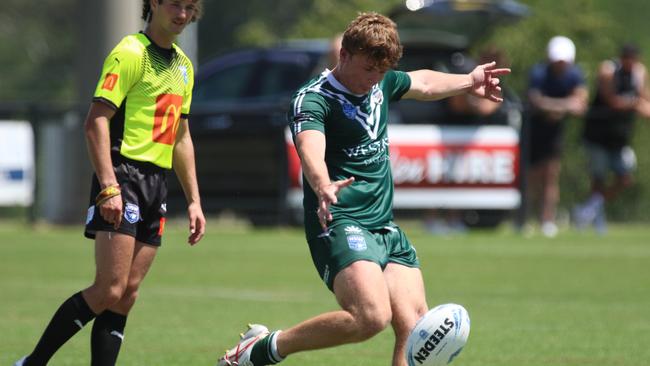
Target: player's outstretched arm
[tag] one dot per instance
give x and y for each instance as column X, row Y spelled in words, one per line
column 483, row 81
column 311, row 149
column 186, row 172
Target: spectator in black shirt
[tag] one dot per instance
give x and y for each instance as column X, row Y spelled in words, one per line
column 621, row 95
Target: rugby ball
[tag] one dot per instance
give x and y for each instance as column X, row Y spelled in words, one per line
column 438, row 337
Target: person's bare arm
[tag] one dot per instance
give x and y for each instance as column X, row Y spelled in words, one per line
column 310, row 145
column 643, row 107
column 185, row 169
column 98, row 142
column 430, row 85
column 574, row 104
column 607, row 89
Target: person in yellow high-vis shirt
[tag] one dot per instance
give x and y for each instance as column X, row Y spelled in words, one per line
column 136, row 129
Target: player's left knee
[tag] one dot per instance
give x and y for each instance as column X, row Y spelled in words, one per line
column 377, row 322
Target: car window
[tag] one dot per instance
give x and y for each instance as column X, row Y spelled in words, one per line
column 417, row 112
column 416, row 58
column 225, row 84
column 283, row 73
column 251, row 76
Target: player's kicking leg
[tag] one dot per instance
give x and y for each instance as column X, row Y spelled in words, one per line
column 363, row 294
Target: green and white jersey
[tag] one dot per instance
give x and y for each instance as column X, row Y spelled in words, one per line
column 150, row 89
column 355, row 128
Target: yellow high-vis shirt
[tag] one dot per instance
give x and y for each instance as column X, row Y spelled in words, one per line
column 150, row 89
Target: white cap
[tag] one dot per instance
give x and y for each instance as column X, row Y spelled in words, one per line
column 561, row 48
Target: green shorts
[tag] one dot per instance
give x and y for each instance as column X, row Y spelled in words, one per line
column 347, row 242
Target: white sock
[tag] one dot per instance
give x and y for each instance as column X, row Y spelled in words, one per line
column 275, row 355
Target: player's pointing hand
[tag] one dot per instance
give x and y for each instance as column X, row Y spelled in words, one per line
column 485, row 81
column 327, row 196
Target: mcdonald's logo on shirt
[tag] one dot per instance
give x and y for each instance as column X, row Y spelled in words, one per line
column 166, row 117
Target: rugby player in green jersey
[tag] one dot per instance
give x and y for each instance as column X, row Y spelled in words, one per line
column 339, row 121
column 136, row 128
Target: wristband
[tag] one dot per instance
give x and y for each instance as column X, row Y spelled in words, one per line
column 106, row 194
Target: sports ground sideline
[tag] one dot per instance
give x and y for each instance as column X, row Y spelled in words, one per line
column 579, row 299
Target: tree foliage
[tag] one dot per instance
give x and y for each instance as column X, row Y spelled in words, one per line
column 37, row 45
column 229, row 25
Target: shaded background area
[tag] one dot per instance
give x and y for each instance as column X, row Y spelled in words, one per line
column 50, row 52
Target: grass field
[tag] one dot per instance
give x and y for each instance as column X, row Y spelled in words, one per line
column 577, row 300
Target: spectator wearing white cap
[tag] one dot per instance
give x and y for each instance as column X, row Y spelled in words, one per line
column 556, row 90
column 561, row 48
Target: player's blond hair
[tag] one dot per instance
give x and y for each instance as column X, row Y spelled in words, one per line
column 375, row 36
column 146, row 9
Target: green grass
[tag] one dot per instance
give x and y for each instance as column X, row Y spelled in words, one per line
column 577, row 300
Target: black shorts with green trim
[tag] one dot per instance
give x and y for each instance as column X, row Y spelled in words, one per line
column 144, row 196
column 347, row 242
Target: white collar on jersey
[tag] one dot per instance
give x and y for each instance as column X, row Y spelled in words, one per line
column 335, row 83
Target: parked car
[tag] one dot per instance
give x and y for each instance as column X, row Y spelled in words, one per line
column 238, row 119
column 246, row 162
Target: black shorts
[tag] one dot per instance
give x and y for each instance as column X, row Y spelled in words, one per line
column 546, row 141
column 144, row 195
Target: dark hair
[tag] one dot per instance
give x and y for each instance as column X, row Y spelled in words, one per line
column 629, row 50
column 146, row 9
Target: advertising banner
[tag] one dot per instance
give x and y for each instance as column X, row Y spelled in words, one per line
column 16, row 163
column 462, row 167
